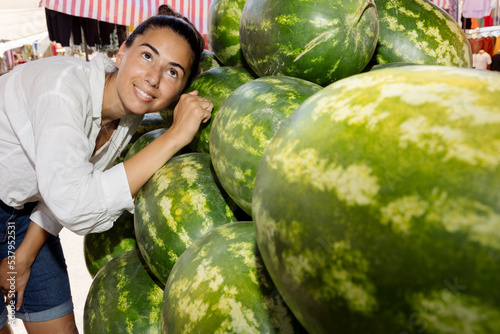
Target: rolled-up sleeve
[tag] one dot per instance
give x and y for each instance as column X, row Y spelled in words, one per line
column 44, row 218
column 112, row 184
column 75, row 194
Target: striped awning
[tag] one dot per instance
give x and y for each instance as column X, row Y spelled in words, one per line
column 445, row 4
column 131, row 12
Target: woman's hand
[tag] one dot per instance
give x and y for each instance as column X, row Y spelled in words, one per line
column 189, row 113
column 15, row 272
column 14, row 279
column 7, row 281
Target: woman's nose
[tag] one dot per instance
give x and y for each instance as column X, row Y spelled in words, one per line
column 153, row 77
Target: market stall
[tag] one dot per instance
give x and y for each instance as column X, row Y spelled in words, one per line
column 102, row 15
column 104, row 24
column 23, row 23
column 347, row 180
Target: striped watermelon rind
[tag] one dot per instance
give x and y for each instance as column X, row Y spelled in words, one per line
column 418, row 31
column 224, row 18
column 319, row 41
column 146, row 139
column 389, row 65
column 376, row 203
column 220, row 285
column 150, row 122
column 143, row 141
column 123, row 298
column 208, row 61
column 100, row 248
column 244, row 125
column 180, row 202
column 216, row 85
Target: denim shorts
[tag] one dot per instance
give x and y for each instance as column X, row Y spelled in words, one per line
column 47, row 295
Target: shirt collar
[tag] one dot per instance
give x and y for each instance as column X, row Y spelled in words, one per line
column 99, row 66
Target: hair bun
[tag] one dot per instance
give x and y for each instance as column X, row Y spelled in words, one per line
column 167, row 10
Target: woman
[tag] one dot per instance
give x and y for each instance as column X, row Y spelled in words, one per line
column 63, row 121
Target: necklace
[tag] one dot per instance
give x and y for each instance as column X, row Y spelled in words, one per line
column 106, row 135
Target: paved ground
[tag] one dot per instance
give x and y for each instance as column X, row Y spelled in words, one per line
column 80, row 279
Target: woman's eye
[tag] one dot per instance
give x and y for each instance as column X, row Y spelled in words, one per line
column 171, row 72
column 146, row 55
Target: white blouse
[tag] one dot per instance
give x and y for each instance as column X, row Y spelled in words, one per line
column 50, row 115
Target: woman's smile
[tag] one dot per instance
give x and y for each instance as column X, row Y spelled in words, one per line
column 143, row 95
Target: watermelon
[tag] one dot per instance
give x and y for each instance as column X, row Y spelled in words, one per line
column 100, row 248
column 143, row 141
column 224, row 18
column 319, row 41
column 208, row 61
column 388, row 65
column 216, row 85
column 150, row 122
column 418, row 31
column 220, row 285
column 179, row 203
column 244, row 125
column 377, row 207
column 147, row 138
column 123, row 298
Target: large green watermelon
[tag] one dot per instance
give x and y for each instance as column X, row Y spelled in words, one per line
column 181, row 202
column 244, row 125
column 208, row 61
column 317, row 40
column 150, row 122
column 143, row 141
column 147, row 138
column 216, row 85
column 100, row 248
column 224, row 18
column 220, row 285
column 418, row 31
column 123, row 298
column 377, row 204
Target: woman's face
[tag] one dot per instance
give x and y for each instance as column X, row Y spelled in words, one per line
column 153, row 70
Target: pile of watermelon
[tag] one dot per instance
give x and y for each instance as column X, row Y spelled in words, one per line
column 348, row 181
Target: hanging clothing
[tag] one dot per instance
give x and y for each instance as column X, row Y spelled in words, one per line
column 105, row 31
column 496, row 13
column 475, row 45
column 488, row 44
column 476, row 8
column 90, row 29
column 62, row 27
column 496, row 48
column 108, row 30
column 466, row 22
column 495, row 63
column 453, row 11
column 10, row 58
column 474, row 23
column 481, row 61
column 488, row 20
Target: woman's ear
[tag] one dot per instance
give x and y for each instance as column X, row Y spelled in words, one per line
column 119, row 55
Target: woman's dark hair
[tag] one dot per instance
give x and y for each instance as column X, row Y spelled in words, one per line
column 166, row 17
